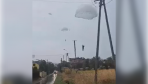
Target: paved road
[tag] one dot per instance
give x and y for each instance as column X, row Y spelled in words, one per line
column 49, row 79
column 52, row 79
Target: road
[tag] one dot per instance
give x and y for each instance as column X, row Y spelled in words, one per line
column 51, row 79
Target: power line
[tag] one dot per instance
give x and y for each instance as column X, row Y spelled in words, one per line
column 70, row 2
column 109, row 1
column 62, row 1
column 50, row 55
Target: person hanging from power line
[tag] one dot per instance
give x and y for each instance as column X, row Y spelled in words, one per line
column 83, row 47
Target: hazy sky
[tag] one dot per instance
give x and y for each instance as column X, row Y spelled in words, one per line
column 48, row 39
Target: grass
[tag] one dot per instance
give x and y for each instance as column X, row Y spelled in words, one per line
column 59, row 79
column 87, row 77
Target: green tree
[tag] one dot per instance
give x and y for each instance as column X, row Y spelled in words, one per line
column 92, row 63
column 46, row 66
column 87, row 63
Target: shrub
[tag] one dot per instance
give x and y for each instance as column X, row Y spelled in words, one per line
column 67, row 71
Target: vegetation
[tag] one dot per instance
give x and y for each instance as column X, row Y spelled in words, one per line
column 106, row 72
column 108, row 63
column 59, row 80
column 45, row 66
column 87, row 77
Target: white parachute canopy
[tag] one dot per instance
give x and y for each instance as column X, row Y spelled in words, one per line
column 86, row 11
column 65, row 29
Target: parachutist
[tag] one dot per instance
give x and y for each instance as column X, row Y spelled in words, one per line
column 83, row 47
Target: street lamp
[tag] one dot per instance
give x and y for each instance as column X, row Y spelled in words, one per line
column 89, row 12
column 66, row 54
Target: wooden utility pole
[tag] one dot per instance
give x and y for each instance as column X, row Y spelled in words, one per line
column 75, row 48
column 102, row 3
column 98, row 41
column 63, row 57
column 61, row 60
column 66, row 57
column 108, row 30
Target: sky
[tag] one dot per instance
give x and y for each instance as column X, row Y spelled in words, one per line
column 48, row 39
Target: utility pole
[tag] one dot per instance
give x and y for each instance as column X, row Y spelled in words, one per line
column 98, row 41
column 61, row 65
column 108, row 29
column 102, row 3
column 61, row 60
column 63, row 57
column 75, row 48
column 66, row 57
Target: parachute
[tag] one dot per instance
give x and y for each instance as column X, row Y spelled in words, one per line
column 65, row 29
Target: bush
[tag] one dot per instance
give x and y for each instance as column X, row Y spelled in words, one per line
column 67, row 71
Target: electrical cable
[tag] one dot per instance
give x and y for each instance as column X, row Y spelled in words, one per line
column 62, row 1
column 70, row 2
column 50, row 55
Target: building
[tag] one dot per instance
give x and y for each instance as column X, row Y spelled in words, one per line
column 74, row 61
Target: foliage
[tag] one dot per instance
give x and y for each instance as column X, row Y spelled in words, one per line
column 46, row 66
column 35, row 73
column 63, row 64
column 59, row 80
column 34, row 69
column 87, row 77
column 109, row 63
column 67, row 71
column 90, row 64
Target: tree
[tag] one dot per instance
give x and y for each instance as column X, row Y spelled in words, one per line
column 50, row 67
column 92, row 63
column 46, row 66
column 111, row 62
column 87, row 63
column 108, row 63
column 79, row 65
column 35, row 73
column 42, row 65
